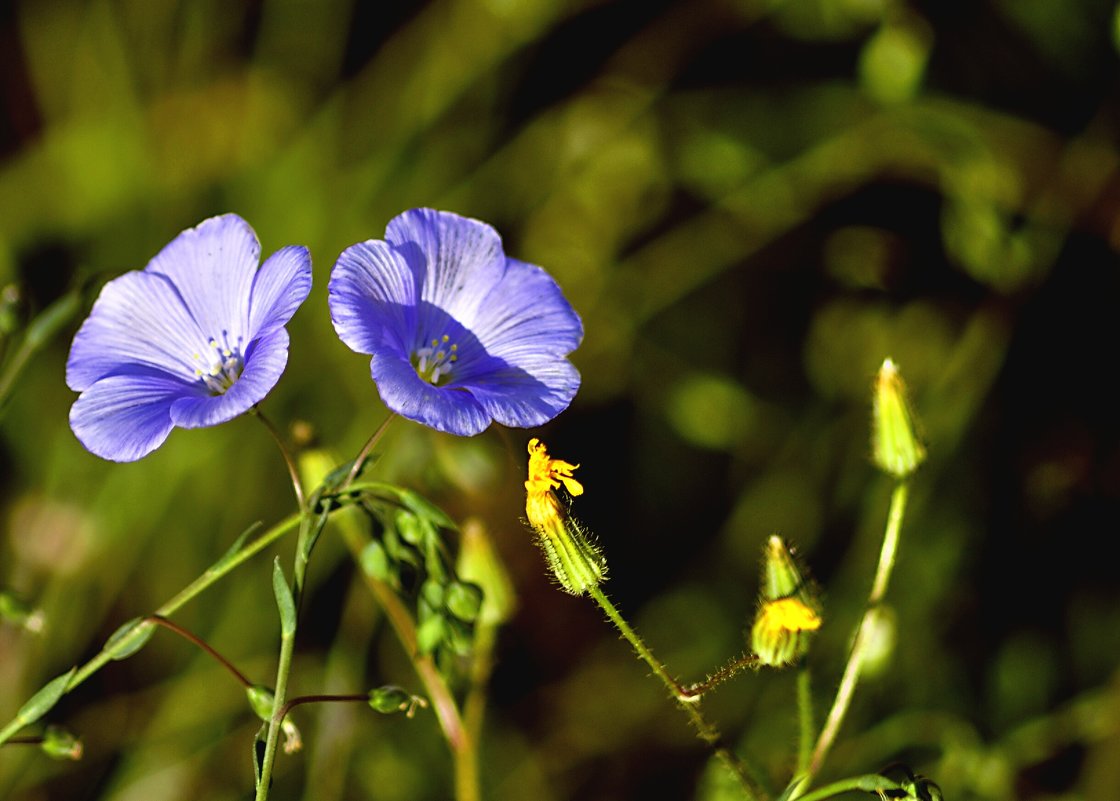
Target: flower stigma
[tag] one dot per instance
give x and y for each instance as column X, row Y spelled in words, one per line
column 434, row 362
column 224, row 365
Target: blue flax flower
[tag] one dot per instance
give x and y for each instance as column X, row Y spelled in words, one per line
column 192, row 340
column 460, row 334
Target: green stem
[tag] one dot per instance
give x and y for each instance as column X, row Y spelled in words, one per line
column 861, row 639
column 196, row 587
column 467, row 783
column 459, row 739
column 806, row 725
column 871, row 783
column 690, row 704
column 307, row 533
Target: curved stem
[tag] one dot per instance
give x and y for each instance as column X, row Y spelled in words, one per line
column 191, row 637
column 321, row 699
column 293, row 471
column 213, row 573
column 870, row 783
column 691, row 705
column 860, row 641
column 365, row 451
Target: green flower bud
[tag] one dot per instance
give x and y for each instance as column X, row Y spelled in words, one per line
column 896, row 448
column 59, row 743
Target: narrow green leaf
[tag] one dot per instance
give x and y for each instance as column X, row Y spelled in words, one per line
column 284, row 601
column 260, row 745
column 234, row 549
column 41, row 702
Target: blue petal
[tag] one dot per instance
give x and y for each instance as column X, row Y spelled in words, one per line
column 372, row 297
column 264, row 364
column 138, row 319
column 527, row 315
column 127, row 416
column 212, row 265
column 279, row 287
column 456, row 260
column 527, row 395
column 442, row 408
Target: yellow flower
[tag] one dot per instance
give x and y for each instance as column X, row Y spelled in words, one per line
column 575, row 561
column 780, row 634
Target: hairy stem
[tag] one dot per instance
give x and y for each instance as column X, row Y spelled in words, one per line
column 691, row 705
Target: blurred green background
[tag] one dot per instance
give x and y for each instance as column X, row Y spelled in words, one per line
column 751, row 203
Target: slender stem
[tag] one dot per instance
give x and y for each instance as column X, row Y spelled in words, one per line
column 287, row 649
column 196, row 587
column 293, row 471
column 364, row 452
column 737, row 665
column 860, row 641
column 870, row 783
column 691, row 705
column 458, row 737
column 190, row 636
column 321, row 699
column 467, row 783
column 806, row 724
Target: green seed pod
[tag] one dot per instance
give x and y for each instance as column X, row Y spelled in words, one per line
column 389, row 700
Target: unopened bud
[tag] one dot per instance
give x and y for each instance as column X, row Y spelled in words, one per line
column 60, row 743
column 896, row 448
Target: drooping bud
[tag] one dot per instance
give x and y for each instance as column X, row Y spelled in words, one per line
column 15, row 610
column 60, row 743
column 573, row 558
column 391, row 699
column 896, row 448
column 788, row 612
column 262, row 699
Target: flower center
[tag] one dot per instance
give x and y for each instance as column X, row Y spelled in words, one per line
column 433, row 363
column 222, row 365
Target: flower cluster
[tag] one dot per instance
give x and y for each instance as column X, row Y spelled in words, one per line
column 460, row 335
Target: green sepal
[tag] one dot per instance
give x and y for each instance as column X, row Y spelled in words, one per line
column 260, row 745
column 284, row 601
column 41, row 702
column 129, row 638
column 317, row 527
